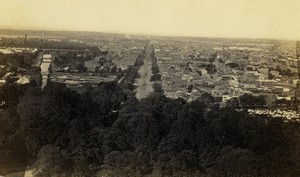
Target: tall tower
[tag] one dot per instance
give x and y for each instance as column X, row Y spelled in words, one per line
column 43, row 37
column 25, row 39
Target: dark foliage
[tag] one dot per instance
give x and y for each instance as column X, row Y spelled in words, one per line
column 248, row 100
column 157, row 136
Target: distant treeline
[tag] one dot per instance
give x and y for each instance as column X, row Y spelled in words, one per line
column 42, row 44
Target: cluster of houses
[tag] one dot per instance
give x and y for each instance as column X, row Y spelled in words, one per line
column 190, row 69
column 288, row 114
column 11, row 50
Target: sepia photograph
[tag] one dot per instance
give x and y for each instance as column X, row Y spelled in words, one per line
column 149, row 88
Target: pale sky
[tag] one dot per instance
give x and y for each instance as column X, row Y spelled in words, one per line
column 204, row 18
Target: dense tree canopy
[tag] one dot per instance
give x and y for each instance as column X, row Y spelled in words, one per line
column 107, row 129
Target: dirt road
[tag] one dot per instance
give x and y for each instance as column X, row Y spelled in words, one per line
column 144, row 86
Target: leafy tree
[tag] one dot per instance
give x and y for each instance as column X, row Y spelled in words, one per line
column 248, row 100
column 206, row 98
column 237, row 162
column 51, row 161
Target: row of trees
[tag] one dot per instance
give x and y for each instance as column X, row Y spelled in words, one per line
column 155, row 68
column 156, row 77
column 127, row 83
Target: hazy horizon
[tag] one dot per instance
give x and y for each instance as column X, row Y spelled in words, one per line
column 195, row 18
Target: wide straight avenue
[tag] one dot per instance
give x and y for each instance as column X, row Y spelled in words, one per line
column 143, row 83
